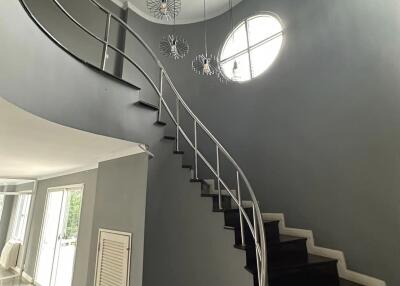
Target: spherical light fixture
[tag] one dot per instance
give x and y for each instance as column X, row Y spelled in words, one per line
column 164, row 9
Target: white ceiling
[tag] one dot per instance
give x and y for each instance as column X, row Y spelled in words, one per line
column 12, row 182
column 192, row 10
column 31, row 147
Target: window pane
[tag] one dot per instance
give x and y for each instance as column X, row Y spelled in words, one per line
column 262, row 27
column 21, row 217
column 242, row 73
column 1, row 205
column 263, row 56
column 236, row 43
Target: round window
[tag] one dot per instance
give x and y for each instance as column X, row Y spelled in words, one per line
column 251, row 47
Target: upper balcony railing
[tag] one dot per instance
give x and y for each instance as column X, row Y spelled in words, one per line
column 255, row 225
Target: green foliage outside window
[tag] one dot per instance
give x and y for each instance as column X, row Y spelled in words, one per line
column 75, row 199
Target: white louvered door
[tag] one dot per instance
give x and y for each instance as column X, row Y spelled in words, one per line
column 113, row 258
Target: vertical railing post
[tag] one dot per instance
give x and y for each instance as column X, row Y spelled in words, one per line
column 177, row 123
column 219, row 180
column 196, row 176
column 106, row 39
column 240, row 207
column 256, row 243
column 161, row 93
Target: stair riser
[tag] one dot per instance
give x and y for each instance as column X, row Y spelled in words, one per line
column 316, row 275
column 232, row 218
column 225, row 203
column 271, row 228
column 290, row 253
column 281, row 254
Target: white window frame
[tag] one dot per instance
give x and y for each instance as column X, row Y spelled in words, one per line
column 249, row 47
column 21, row 217
column 2, row 199
column 81, row 188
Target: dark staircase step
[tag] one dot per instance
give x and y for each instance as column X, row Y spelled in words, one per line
column 160, row 123
column 232, row 218
column 205, row 187
column 288, row 250
column 316, row 271
column 226, row 202
column 172, row 138
column 147, row 105
column 343, row 282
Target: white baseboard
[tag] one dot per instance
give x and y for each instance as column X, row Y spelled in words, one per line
column 27, row 277
column 16, row 269
column 325, row 252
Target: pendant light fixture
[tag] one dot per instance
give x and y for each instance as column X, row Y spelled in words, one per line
column 235, row 68
column 164, row 9
column 205, row 64
column 174, row 46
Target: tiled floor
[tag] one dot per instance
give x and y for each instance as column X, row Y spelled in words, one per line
column 13, row 282
column 10, row 281
column 5, row 272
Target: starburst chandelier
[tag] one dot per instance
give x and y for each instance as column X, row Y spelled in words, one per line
column 164, row 9
column 205, row 64
column 174, row 46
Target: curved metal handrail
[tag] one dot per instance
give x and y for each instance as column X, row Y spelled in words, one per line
column 256, row 227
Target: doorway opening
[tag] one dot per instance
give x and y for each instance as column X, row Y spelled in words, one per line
column 16, row 204
column 60, row 228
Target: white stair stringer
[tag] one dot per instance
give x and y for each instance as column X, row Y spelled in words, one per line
column 325, row 252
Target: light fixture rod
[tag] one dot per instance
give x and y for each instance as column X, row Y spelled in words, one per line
column 205, row 28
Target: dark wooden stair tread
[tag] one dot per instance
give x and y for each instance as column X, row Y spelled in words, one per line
column 236, row 210
column 344, row 282
column 148, row 105
column 312, row 260
column 282, row 240
column 289, row 262
column 216, row 196
column 161, row 123
column 172, row 138
column 288, row 239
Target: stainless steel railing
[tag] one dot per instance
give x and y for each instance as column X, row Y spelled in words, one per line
column 255, row 226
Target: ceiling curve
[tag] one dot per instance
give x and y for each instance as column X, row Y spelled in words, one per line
column 192, row 10
column 32, row 147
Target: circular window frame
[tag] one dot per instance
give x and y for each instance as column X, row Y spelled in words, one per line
column 236, row 27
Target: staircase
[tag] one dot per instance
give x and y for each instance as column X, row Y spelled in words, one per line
column 289, row 262
column 272, row 258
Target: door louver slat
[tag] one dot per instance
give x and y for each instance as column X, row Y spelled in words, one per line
column 113, row 258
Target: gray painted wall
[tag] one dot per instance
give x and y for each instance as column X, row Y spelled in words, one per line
column 318, row 133
column 185, row 242
column 95, row 103
column 88, row 178
column 120, row 205
column 326, row 117
column 72, row 36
